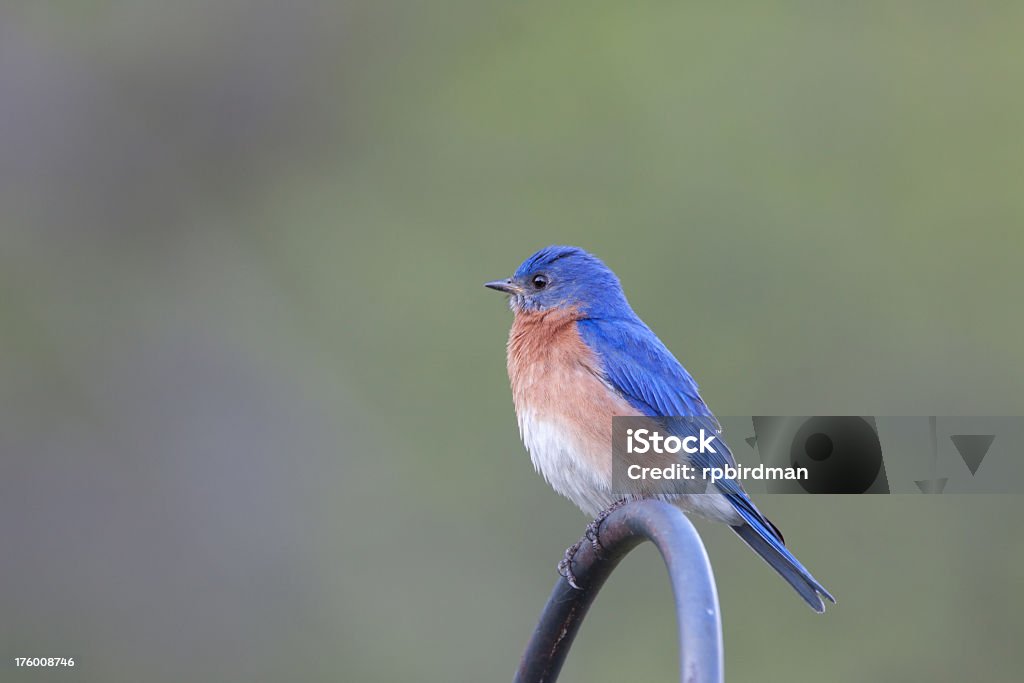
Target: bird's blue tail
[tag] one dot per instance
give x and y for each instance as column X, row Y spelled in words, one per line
column 765, row 540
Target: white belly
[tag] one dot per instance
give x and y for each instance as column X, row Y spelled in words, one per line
column 562, row 458
column 566, row 462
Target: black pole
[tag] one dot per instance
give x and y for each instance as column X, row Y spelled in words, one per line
column 693, row 586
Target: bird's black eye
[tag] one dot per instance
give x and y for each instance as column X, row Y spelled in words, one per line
column 540, row 281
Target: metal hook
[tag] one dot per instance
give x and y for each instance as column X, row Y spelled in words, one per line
column 693, row 586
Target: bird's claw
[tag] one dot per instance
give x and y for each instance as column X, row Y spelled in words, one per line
column 594, row 528
column 593, row 536
column 565, row 566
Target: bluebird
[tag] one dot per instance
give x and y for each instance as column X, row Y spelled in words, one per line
column 577, row 356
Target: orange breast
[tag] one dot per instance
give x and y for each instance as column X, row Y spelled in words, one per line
column 557, row 379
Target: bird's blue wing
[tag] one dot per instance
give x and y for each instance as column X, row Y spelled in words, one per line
column 645, row 373
column 639, row 367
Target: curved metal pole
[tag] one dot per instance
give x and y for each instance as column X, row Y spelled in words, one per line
column 693, row 585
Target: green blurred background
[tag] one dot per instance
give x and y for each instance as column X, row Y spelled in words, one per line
column 254, row 419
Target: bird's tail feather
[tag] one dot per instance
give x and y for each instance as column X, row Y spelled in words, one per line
column 766, row 543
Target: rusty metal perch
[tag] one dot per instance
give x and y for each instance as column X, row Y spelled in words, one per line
column 693, row 586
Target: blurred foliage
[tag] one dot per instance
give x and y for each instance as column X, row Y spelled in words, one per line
column 254, row 421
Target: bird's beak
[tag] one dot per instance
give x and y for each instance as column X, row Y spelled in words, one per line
column 505, row 285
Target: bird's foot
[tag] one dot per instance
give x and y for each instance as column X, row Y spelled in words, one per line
column 592, row 535
column 565, row 566
column 594, row 528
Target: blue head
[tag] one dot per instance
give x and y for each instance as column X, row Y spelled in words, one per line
column 565, row 277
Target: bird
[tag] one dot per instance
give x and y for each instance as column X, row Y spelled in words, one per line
column 577, row 356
